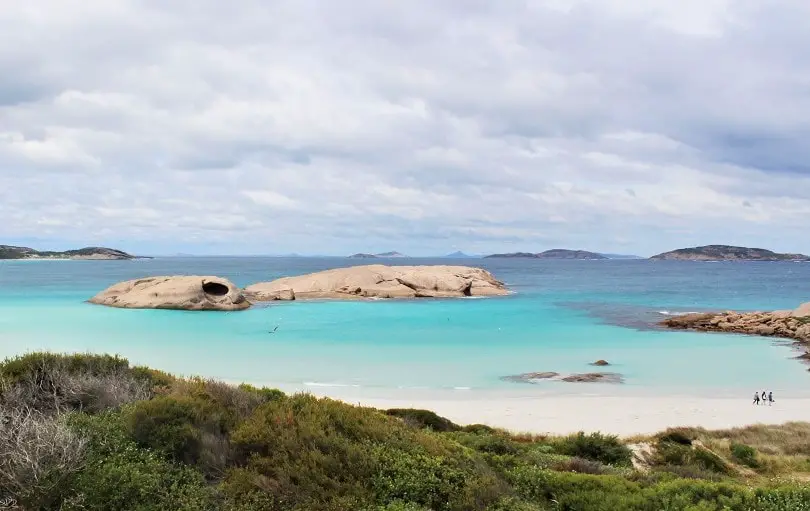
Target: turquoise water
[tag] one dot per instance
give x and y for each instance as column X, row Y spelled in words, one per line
column 563, row 315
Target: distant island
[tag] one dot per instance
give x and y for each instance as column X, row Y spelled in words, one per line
column 557, row 253
column 375, row 256
column 460, row 255
column 726, row 253
column 87, row 253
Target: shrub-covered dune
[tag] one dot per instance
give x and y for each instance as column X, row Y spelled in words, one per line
column 90, row 432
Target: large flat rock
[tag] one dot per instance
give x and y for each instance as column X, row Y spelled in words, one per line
column 174, row 292
column 380, row 281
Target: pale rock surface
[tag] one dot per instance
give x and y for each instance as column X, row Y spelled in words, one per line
column 174, row 292
column 802, row 310
column 380, row 281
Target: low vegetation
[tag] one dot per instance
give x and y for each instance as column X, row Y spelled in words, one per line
column 92, row 433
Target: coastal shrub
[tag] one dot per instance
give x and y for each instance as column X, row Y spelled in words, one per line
column 673, row 454
column 606, row 449
column 38, row 456
column 479, row 429
column 710, row 461
column 186, row 429
column 424, row 419
column 153, row 378
column 781, row 499
column 305, row 453
column 19, row 368
column 57, row 383
column 695, row 495
column 575, row 491
column 745, row 454
column 676, row 436
column 117, row 475
column 580, row 466
column 488, row 443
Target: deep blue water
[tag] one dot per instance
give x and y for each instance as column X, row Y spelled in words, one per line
column 563, row 315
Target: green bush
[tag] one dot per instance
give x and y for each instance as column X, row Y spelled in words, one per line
column 17, row 369
column 168, row 425
column 424, row 419
column 316, row 453
column 605, row 449
column 118, row 476
column 479, row 429
column 745, row 454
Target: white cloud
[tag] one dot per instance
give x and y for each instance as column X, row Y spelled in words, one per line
column 300, row 125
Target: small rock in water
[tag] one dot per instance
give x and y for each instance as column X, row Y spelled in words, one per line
column 595, row 378
column 530, row 377
column 601, row 363
column 573, row 378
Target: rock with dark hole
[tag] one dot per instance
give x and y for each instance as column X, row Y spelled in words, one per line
column 601, row 363
column 380, row 281
column 174, row 292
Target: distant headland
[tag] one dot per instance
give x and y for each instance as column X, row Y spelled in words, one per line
column 87, row 253
column 557, row 253
column 726, row 253
column 382, row 255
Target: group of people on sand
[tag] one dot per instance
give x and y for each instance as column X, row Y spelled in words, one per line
column 763, row 398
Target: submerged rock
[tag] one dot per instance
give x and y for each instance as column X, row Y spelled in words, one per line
column 530, row 377
column 594, row 378
column 174, row 292
column 379, row 281
column 573, row 378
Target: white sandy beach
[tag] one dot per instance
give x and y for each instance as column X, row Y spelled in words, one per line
column 562, row 414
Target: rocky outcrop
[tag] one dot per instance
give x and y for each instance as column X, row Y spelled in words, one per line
column 788, row 324
column 600, row 363
column 379, row 281
column 595, row 378
column 572, row 378
column 727, row 253
column 531, row 377
column 88, row 253
column 555, row 253
column 178, row 292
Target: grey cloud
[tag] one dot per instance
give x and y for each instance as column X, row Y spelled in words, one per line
column 472, row 122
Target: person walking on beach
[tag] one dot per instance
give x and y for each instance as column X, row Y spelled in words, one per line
column 770, row 398
column 756, row 398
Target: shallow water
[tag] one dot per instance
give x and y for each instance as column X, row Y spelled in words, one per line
column 563, row 315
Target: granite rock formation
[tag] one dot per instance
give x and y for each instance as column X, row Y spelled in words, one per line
column 789, row 324
column 174, row 292
column 379, row 281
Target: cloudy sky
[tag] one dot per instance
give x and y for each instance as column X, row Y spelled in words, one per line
column 332, row 127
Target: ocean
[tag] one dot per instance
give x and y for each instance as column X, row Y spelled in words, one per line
column 562, row 316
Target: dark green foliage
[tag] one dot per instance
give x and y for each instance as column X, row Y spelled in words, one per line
column 170, row 426
column 424, row 419
column 479, row 429
column 581, row 466
column 118, row 476
column 676, row 436
column 745, row 454
column 18, row 369
column 672, row 454
column 605, row 449
column 312, row 452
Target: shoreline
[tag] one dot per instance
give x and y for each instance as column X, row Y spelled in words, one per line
column 593, row 408
column 618, row 415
